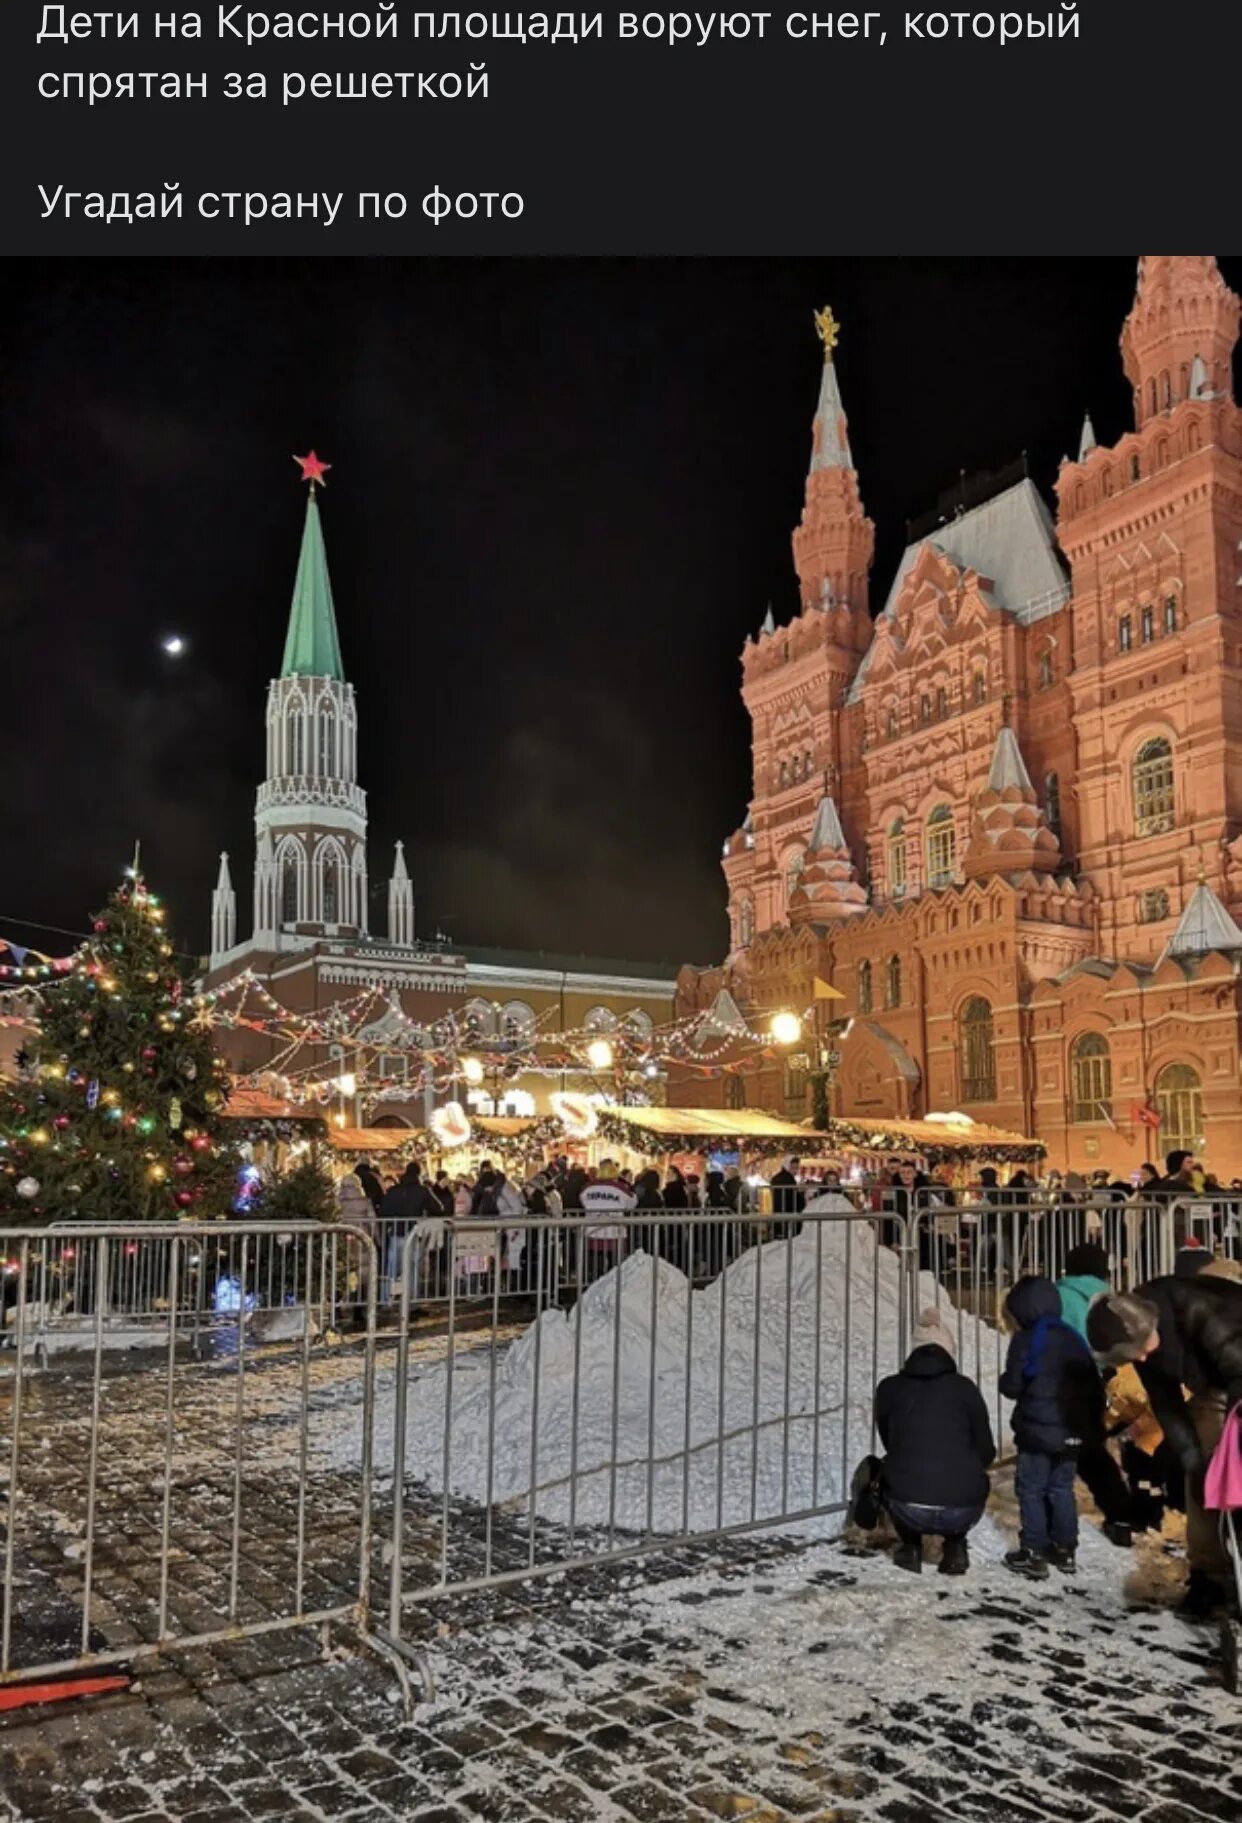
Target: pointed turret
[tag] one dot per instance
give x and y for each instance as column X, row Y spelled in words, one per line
column 1009, row 832
column 769, row 622
column 400, row 901
column 223, row 913
column 828, row 890
column 312, row 648
column 1086, row 443
column 1204, row 926
column 1183, row 310
column 835, row 541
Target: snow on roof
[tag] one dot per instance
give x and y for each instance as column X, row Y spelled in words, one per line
column 1205, row 925
column 1011, row 540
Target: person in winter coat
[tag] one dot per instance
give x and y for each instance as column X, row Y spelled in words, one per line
column 355, row 1208
column 1058, row 1402
column 1183, row 1333
column 1087, row 1279
column 605, row 1241
column 787, row 1199
column 409, row 1206
column 652, row 1237
column 713, row 1246
column 938, row 1441
column 368, row 1177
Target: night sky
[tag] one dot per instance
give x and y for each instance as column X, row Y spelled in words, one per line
column 561, row 497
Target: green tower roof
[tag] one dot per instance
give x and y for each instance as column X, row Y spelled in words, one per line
column 312, row 648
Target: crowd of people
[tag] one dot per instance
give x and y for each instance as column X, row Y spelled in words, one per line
column 1127, row 1393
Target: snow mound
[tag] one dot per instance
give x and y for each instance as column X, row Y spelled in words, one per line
column 653, row 1407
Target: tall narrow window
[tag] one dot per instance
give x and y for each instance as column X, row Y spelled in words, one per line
column 896, row 859
column 793, row 876
column 1125, row 633
column 864, row 987
column 745, row 922
column 942, row 703
column 782, row 777
column 1179, row 1103
column 941, row 846
column 890, row 724
column 289, row 890
column 331, row 891
column 297, row 743
column 1170, row 613
column 978, row 1051
column 979, row 687
column 1135, row 470
column 892, row 982
column 1147, row 625
column 1091, row 1076
column 925, row 708
column 1052, row 801
column 1045, row 670
column 1153, row 788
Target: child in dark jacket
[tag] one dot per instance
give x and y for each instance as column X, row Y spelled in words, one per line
column 1057, row 1396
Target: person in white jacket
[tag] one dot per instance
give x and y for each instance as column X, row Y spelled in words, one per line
column 605, row 1241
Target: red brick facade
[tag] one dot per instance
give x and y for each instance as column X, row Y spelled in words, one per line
column 983, row 816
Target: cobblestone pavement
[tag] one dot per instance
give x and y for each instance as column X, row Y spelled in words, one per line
column 759, row 1679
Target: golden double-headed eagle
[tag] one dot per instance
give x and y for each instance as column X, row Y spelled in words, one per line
column 828, row 330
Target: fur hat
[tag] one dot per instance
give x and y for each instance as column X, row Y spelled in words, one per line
column 932, row 1331
column 1119, row 1326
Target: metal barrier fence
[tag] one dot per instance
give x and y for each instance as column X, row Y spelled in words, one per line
column 652, row 1410
column 183, row 1528
column 686, row 1377
column 273, row 1276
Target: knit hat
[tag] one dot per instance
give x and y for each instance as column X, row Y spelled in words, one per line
column 1089, row 1261
column 1190, row 1259
column 931, row 1331
column 1118, row 1327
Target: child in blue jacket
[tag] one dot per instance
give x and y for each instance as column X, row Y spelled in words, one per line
column 1058, row 1399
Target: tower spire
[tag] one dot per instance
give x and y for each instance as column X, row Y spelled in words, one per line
column 400, row 901
column 1183, row 313
column 223, row 913
column 312, row 648
column 834, row 543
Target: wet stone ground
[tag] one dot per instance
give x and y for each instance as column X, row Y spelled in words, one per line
column 760, row 1679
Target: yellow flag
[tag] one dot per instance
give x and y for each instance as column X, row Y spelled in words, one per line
column 824, row 992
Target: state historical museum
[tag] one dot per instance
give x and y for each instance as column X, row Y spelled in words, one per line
column 1004, row 819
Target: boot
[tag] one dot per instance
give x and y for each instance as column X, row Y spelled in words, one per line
column 910, row 1557
column 1118, row 1532
column 1204, row 1596
column 955, row 1558
column 1063, row 1557
column 1027, row 1563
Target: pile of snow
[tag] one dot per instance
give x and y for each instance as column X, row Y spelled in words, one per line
column 653, row 1406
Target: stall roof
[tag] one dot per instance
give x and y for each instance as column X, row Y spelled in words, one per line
column 369, row 1139
column 711, row 1123
column 253, row 1104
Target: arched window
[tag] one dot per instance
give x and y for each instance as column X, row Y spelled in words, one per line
column 600, row 1019
column 289, row 889
column 327, row 758
column 297, row 743
column 638, row 1022
column 1179, row 1103
column 896, row 858
column 925, row 708
column 745, row 922
column 480, row 1018
column 942, row 703
column 1091, row 1077
column 890, row 724
column 978, row 1051
column 979, row 687
column 1045, row 670
column 782, row 776
column 1170, row 613
column 1147, row 624
column 1152, row 775
column 941, row 846
column 794, row 867
column 864, row 987
column 1125, row 633
column 806, row 764
column 1052, row 801
column 1153, row 905
column 892, row 981
column 1135, row 469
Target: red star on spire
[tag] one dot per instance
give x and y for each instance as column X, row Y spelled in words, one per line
column 313, row 470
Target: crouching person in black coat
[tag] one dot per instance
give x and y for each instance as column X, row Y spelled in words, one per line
column 934, row 1427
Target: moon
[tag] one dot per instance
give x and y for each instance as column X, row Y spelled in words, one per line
column 173, row 645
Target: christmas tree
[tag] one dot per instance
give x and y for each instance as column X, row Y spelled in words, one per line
column 116, row 1116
